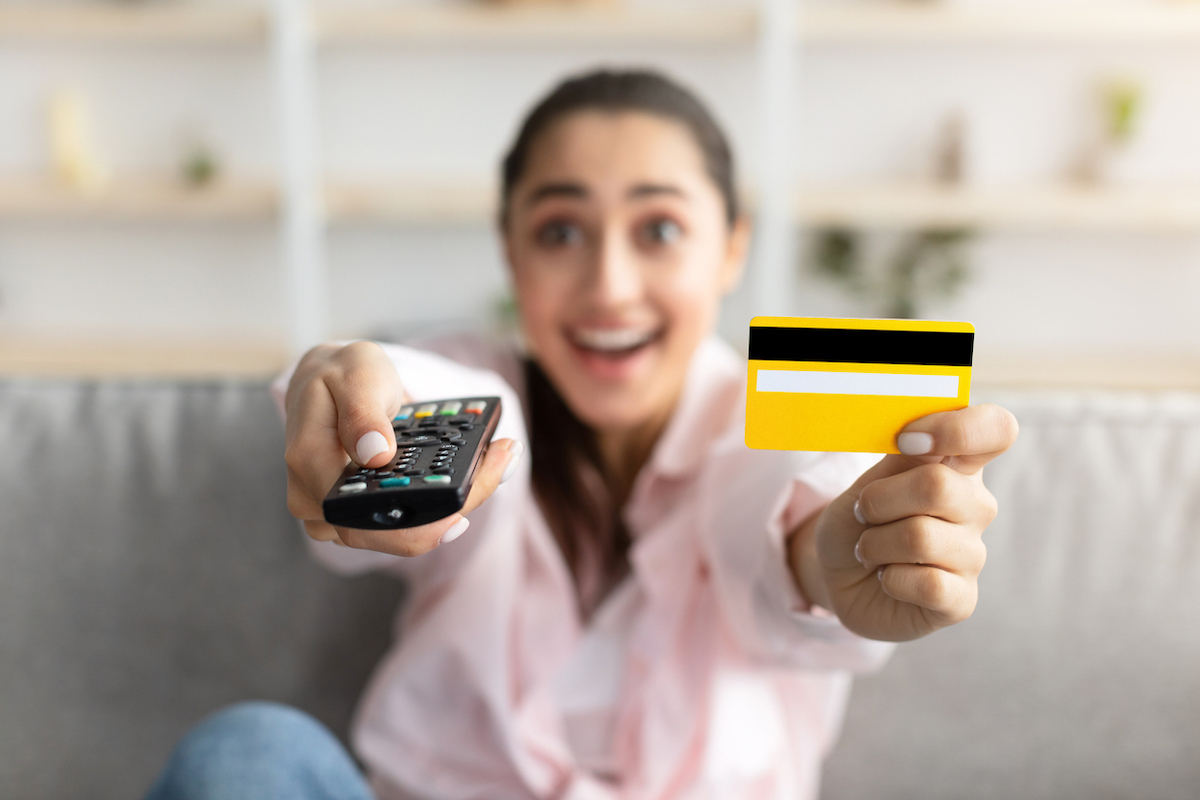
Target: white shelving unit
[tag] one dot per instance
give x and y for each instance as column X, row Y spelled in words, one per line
column 304, row 203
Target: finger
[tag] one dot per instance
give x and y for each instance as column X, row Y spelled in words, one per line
column 965, row 439
column 320, row 530
column 314, row 454
column 946, row 598
column 367, row 394
column 923, row 541
column 406, row 542
column 501, row 454
column 932, row 490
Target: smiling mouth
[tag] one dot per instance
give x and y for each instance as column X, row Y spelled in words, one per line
column 613, row 342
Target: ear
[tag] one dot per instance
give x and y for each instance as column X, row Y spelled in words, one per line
column 737, row 248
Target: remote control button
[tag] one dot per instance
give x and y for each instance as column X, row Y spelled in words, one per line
column 402, row 424
column 444, row 471
column 437, row 478
column 476, row 406
column 450, row 409
column 431, row 422
column 391, row 483
column 405, row 413
column 415, row 473
column 347, row 488
column 422, row 440
column 384, row 473
column 461, row 419
column 427, row 410
column 466, row 427
column 365, row 471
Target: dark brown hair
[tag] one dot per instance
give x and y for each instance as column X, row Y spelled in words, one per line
column 568, row 475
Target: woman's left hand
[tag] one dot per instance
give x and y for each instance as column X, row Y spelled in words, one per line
column 900, row 552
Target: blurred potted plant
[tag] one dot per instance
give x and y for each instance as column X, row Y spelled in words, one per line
column 1110, row 156
column 927, row 265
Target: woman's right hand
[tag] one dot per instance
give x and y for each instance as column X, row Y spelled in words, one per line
column 340, row 404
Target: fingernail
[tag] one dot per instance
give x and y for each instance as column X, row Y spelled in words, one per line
column 370, row 445
column 455, row 532
column 858, row 515
column 914, row 444
column 879, row 573
column 514, row 458
column 858, row 552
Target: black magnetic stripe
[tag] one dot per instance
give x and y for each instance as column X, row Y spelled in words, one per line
column 844, row 345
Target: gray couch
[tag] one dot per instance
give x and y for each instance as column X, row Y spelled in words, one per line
column 149, row 573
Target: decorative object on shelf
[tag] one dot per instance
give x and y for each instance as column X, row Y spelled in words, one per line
column 926, row 265
column 72, row 150
column 199, row 164
column 950, row 167
column 1119, row 110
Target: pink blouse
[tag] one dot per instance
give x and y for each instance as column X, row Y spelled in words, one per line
column 703, row 675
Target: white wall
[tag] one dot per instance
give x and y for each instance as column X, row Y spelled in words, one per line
column 867, row 112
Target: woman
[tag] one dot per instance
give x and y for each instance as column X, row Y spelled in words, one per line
column 647, row 609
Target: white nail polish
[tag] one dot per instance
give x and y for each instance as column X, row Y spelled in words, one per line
column 858, row 515
column 370, row 445
column 914, row 444
column 514, row 459
column 459, row 528
column 858, row 552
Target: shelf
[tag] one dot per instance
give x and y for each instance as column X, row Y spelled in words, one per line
column 138, row 198
column 143, row 358
column 412, row 203
column 1128, row 371
column 1062, row 208
column 534, row 24
column 1019, row 22
column 190, row 23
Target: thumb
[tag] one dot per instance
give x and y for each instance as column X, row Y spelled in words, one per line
column 366, row 433
column 364, row 420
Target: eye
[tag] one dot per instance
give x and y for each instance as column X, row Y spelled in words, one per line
column 662, row 231
column 559, row 233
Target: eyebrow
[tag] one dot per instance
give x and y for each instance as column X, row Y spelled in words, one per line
column 580, row 192
column 556, row 190
column 653, row 189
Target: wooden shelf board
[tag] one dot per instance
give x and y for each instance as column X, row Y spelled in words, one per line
column 1151, row 372
column 534, row 24
column 138, row 198
column 1037, row 208
column 192, row 23
column 1152, row 22
column 412, row 203
column 90, row 358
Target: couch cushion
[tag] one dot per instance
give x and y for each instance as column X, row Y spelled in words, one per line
column 149, row 574
column 1077, row 675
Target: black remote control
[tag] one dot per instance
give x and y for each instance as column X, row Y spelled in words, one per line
column 439, row 445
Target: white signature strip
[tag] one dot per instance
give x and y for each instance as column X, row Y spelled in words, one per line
column 883, row 384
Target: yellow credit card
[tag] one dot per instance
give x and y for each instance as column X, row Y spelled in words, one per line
column 851, row 384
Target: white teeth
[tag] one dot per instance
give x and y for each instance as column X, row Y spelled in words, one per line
column 612, row 339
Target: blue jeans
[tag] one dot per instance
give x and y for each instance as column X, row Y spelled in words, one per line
column 260, row 751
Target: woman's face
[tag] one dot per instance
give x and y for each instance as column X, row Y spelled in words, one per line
column 620, row 254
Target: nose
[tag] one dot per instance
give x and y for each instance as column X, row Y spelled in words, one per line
column 615, row 278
